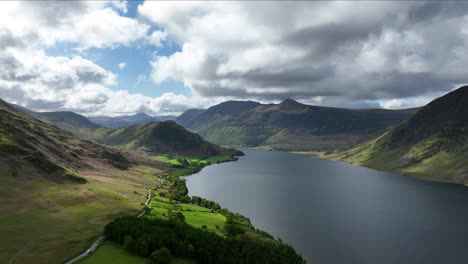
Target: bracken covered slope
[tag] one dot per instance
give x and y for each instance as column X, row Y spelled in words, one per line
column 30, row 146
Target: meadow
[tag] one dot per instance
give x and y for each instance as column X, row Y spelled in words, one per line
column 195, row 215
column 44, row 222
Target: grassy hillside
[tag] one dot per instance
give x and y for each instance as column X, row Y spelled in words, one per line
column 58, row 191
column 161, row 137
column 289, row 125
column 433, row 144
column 29, row 146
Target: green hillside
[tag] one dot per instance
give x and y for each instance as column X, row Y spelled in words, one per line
column 29, row 146
column 162, row 137
column 433, row 144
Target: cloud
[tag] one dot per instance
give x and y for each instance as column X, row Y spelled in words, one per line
column 86, row 23
column 43, row 83
column 33, row 79
column 350, row 54
column 157, row 38
column 122, row 65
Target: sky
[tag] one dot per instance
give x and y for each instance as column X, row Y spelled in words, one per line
column 117, row 57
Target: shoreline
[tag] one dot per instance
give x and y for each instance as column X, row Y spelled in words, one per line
column 321, row 154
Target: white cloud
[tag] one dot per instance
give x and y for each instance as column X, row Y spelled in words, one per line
column 122, row 65
column 346, row 53
column 31, row 78
column 88, row 23
column 40, row 82
column 157, row 38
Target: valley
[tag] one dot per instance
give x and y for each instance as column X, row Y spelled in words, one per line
column 233, row 132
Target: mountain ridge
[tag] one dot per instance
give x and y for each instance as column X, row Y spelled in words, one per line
column 289, row 124
column 128, row 120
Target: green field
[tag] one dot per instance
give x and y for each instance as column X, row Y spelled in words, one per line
column 195, row 215
column 112, row 254
column 193, row 161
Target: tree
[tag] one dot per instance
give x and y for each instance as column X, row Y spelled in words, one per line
column 143, row 248
column 177, row 216
column 129, row 243
column 161, row 256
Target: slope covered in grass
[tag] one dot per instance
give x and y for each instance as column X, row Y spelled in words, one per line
column 29, row 146
column 162, row 137
column 433, row 144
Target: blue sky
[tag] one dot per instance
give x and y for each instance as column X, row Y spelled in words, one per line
column 135, row 77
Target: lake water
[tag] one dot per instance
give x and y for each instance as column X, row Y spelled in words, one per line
column 337, row 213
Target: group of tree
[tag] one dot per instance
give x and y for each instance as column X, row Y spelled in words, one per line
column 205, row 203
column 179, row 190
column 146, row 237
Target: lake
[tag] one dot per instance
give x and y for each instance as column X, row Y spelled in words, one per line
column 336, row 213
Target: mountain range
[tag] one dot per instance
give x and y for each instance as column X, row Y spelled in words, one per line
column 128, row 120
column 289, row 125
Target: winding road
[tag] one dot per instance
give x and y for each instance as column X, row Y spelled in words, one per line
column 101, row 239
column 89, row 251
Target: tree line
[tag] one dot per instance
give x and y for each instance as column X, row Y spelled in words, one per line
column 147, row 237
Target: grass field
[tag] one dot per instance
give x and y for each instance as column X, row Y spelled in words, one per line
column 193, row 160
column 196, row 216
column 111, row 254
column 46, row 222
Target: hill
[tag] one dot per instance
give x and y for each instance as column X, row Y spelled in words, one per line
column 30, row 146
column 121, row 121
column 160, row 137
column 66, row 118
column 433, row 144
column 289, row 125
column 63, row 119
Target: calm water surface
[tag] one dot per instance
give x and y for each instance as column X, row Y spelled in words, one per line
column 336, row 213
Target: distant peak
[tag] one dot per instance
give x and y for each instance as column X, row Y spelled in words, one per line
column 141, row 115
column 289, row 101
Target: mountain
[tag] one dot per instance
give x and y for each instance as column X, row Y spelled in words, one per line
column 289, row 125
column 63, row 119
column 67, row 118
column 30, row 146
column 121, row 121
column 188, row 115
column 161, row 137
column 432, row 144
